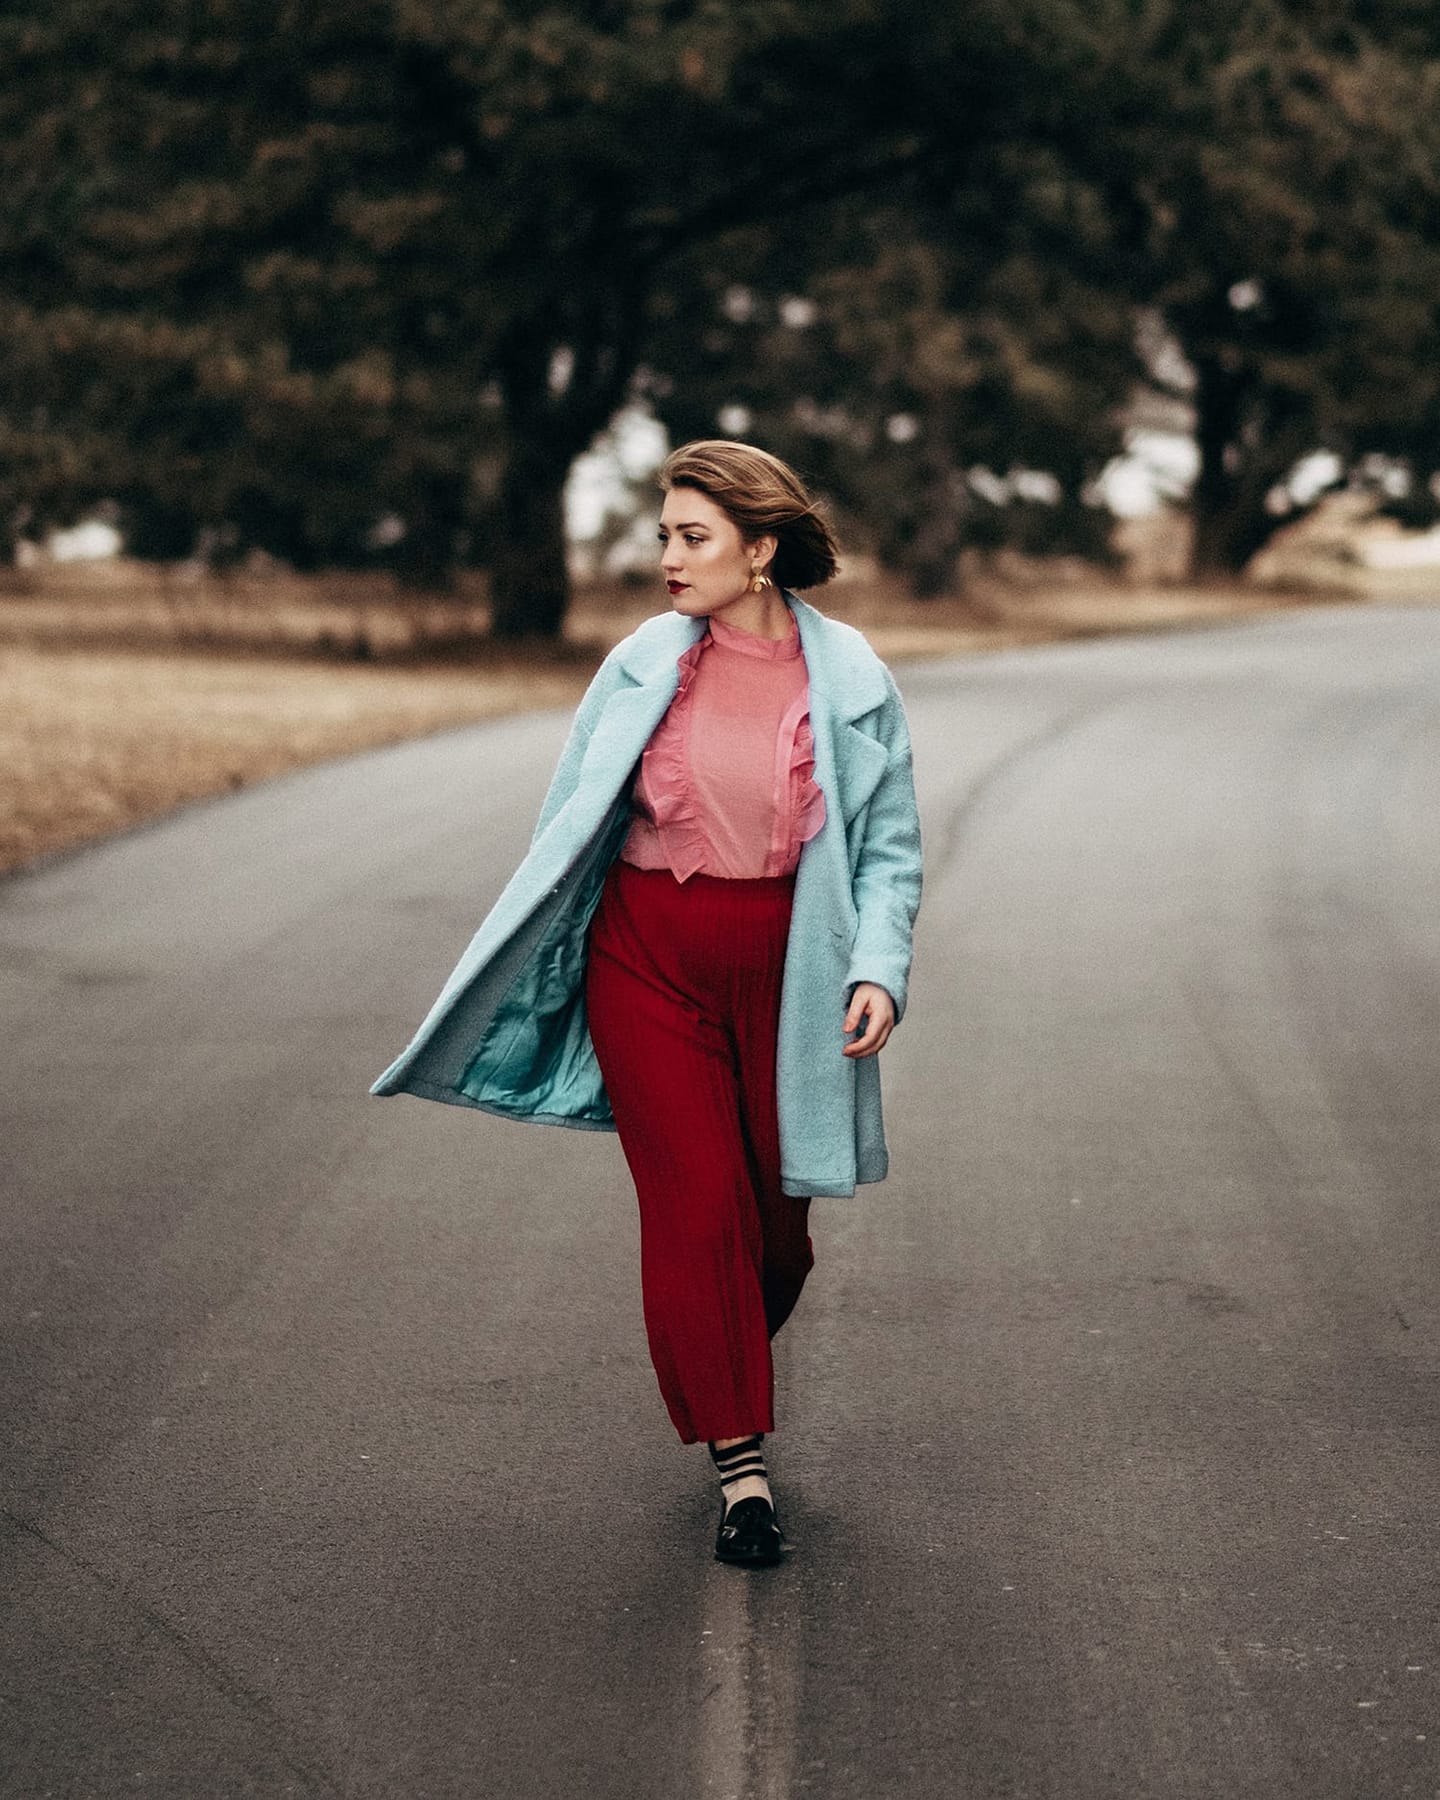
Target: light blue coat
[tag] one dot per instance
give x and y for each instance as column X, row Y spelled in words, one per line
column 508, row 1032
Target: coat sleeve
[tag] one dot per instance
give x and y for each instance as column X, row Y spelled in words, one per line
column 607, row 679
column 887, row 879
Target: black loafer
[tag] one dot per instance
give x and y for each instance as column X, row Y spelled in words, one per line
column 750, row 1534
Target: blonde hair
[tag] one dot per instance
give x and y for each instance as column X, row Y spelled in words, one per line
column 760, row 495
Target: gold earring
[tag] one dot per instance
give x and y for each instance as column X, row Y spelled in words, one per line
column 758, row 582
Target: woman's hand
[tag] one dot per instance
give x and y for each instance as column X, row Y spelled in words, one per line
column 874, row 1001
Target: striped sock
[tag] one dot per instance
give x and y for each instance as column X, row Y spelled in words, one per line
column 742, row 1471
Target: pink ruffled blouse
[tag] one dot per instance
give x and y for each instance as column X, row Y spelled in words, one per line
column 726, row 784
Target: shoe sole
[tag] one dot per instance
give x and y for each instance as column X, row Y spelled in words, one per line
column 755, row 1559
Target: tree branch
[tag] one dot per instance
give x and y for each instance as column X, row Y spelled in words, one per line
column 769, row 193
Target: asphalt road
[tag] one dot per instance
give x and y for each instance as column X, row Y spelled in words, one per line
column 333, row 1463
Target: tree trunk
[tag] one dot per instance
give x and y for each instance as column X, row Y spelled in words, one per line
column 1227, row 532
column 1247, row 444
column 529, row 580
column 551, row 417
column 434, row 512
column 1213, row 503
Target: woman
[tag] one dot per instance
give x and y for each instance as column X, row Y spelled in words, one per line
column 708, row 942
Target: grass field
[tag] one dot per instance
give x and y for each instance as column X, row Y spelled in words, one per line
column 123, row 696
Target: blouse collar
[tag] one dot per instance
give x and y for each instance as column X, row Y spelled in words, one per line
column 750, row 643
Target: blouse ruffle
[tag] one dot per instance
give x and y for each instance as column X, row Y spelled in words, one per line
column 665, row 783
column 807, row 803
column 665, row 775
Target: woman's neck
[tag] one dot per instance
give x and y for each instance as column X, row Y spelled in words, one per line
column 766, row 615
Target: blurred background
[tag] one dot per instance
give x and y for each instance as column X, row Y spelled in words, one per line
column 339, row 343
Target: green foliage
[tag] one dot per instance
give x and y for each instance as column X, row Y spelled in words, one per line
column 920, row 358
column 1283, row 185
column 270, row 275
column 296, row 268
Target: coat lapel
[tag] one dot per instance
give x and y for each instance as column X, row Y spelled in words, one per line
column 841, row 664
column 631, row 714
column 845, row 684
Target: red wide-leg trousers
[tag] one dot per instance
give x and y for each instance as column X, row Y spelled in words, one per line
column 682, row 992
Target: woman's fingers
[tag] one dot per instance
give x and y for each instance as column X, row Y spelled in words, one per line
column 870, row 1040
column 867, row 998
column 866, row 1045
column 877, row 1009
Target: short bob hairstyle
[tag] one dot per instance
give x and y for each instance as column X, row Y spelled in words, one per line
column 760, row 495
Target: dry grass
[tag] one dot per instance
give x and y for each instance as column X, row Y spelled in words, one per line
column 121, row 697
column 94, row 740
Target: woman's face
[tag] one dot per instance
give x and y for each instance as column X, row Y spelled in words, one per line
column 706, row 563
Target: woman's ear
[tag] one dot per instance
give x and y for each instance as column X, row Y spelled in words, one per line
column 762, row 551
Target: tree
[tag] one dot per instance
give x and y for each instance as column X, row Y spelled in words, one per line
column 276, row 274
column 372, row 236
column 1283, row 187
column 948, row 364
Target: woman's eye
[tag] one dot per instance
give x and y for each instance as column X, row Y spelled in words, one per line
column 694, row 540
